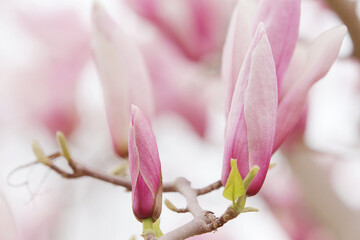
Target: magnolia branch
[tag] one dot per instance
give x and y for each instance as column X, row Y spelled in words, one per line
column 80, row 170
column 204, row 221
column 346, row 11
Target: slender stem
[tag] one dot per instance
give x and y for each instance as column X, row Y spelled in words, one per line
column 148, row 229
column 214, row 186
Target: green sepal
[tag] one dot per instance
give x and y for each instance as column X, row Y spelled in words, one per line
column 234, row 187
column 250, row 177
column 158, row 232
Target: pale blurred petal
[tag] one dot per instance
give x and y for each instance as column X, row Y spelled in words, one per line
column 236, row 45
column 179, row 85
column 322, row 54
column 123, row 75
column 196, row 27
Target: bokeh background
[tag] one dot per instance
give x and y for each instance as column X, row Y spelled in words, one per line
column 46, row 65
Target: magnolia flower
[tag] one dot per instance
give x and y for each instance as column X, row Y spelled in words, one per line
column 123, row 74
column 196, row 27
column 145, row 168
column 319, row 58
column 251, row 124
column 239, row 143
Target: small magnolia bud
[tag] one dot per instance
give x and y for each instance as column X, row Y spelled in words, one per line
column 145, row 168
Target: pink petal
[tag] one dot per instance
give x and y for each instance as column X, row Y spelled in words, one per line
column 236, row 45
column 322, row 55
column 144, row 164
column 281, row 19
column 296, row 66
column 260, row 111
column 123, row 74
column 251, row 123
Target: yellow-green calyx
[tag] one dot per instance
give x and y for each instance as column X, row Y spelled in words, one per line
column 148, row 226
column 235, row 188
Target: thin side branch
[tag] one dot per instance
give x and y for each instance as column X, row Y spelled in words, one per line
column 203, row 221
column 214, row 186
column 80, row 170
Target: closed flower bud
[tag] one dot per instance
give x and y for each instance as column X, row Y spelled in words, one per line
column 251, row 124
column 145, row 168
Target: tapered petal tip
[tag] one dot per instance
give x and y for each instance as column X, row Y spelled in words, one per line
column 342, row 29
column 133, row 111
column 101, row 21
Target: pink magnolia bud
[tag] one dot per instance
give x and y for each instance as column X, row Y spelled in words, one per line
column 145, row 168
column 252, row 119
column 123, row 74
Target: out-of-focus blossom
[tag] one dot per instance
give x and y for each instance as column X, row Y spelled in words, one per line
column 294, row 71
column 145, row 168
column 197, row 27
column 64, row 49
column 7, row 224
column 281, row 19
column 123, row 74
column 250, row 127
column 60, row 31
column 179, row 85
column 288, row 205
